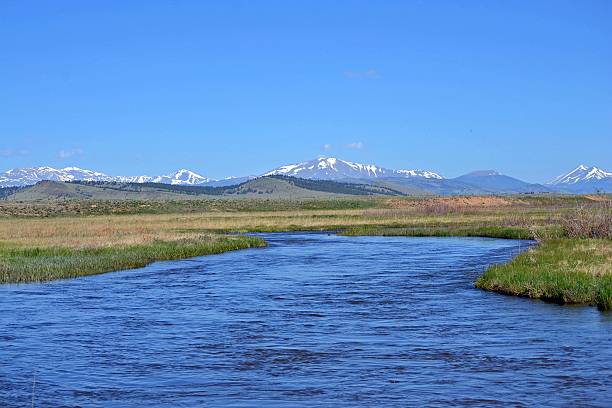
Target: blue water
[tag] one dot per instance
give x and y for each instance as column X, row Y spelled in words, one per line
column 312, row 320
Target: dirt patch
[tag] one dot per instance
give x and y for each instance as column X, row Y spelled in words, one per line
column 460, row 202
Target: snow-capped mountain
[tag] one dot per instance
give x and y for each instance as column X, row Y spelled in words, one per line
column 583, row 179
column 28, row 176
column 331, row 168
column 419, row 173
column 184, row 176
column 180, row 177
column 580, row 174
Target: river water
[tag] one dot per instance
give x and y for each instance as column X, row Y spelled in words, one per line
column 311, row 320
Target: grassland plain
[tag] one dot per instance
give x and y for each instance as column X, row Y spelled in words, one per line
column 41, row 241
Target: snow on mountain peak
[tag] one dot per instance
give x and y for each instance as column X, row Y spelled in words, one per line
column 581, row 174
column 29, row 176
column 184, row 176
column 331, row 168
column 326, row 162
column 581, row 178
column 420, row 173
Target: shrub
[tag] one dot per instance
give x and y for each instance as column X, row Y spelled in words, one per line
column 589, row 222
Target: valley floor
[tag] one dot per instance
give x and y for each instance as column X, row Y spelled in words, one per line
column 56, row 240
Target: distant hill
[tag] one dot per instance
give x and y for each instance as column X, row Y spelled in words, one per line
column 272, row 186
column 8, row 191
column 55, row 190
column 494, row 182
column 423, row 186
column 334, row 187
column 229, row 181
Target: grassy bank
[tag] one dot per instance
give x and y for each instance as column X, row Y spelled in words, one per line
column 571, row 265
column 38, row 264
column 445, row 231
column 559, row 270
column 84, row 237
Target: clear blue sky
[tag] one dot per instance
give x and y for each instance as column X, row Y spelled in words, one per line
column 238, row 87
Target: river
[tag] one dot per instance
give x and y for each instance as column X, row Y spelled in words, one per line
column 311, row 320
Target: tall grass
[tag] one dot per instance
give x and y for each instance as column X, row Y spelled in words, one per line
column 560, row 270
column 571, row 264
column 444, row 231
column 38, row 264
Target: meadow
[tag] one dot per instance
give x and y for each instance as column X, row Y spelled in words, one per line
column 41, row 241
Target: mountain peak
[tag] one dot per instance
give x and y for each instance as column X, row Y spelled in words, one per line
column 419, row 173
column 185, row 176
column 483, row 173
column 582, row 174
column 333, row 168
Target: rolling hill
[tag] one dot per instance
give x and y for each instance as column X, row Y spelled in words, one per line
column 494, row 182
column 271, row 186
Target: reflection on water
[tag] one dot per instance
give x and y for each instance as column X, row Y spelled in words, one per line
column 312, row 320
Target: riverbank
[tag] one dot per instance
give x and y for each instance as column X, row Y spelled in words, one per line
column 569, row 265
column 40, row 264
column 565, row 271
column 559, row 269
column 572, row 263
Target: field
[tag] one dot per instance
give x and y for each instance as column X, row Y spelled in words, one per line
column 41, row 241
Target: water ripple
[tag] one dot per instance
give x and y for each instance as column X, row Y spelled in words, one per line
column 311, row 320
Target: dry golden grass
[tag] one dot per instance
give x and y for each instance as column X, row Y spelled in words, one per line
column 455, row 202
column 36, row 248
column 97, row 231
column 111, row 230
column 603, row 250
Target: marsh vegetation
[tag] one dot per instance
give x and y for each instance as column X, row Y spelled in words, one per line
column 58, row 239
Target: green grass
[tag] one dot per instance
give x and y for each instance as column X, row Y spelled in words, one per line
column 21, row 265
column 560, row 270
column 68, row 238
column 443, row 231
column 490, row 231
column 75, row 207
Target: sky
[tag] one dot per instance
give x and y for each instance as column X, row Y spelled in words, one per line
column 240, row 87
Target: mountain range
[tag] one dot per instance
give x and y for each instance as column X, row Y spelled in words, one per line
column 27, row 176
column 582, row 179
